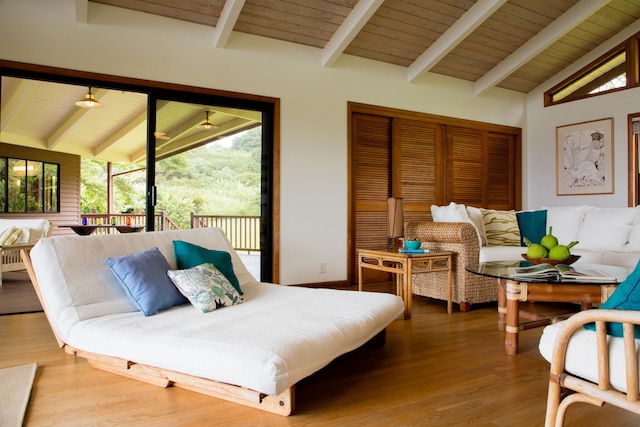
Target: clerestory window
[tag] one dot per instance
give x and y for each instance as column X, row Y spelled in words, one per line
column 616, row 70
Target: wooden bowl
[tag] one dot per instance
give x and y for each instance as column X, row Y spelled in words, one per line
column 568, row 261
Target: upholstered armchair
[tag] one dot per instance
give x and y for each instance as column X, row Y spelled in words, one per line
column 460, row 238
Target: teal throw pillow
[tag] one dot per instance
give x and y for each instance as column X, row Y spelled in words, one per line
column 625, row 297
column 205, row 287
column 532, row 225
column 143, row 276
column 189, row 255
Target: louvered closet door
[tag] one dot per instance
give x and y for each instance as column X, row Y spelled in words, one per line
column 417, row 167
column 501, row 171
column 371, row 177
column 466, row 166
column 481, row 168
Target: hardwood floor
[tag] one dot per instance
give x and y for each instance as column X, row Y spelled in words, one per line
column 436, row 369
column 17, row 294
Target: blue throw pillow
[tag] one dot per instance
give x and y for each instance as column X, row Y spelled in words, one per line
column 189, row 255
column 532, row 225
column 625, row 297
column 143, row 276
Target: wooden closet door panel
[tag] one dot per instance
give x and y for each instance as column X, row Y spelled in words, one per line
column 466, row 170
column 417, row 167
column 501, row 171
column 371, row 181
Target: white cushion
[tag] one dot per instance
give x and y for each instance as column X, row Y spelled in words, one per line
column 454, row 212
column 634, row 235
column 566, row 222
column 501, row 253
column 475, row 215
column 581, row 357
column 6, row 233
column 605, row 229
column 37, row 228
column 23, row 239
column 449, row 213
column 246, row 345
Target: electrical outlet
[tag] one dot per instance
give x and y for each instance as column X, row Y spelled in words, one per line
column 323, row 267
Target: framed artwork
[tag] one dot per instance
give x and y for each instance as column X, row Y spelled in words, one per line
column 584, row 153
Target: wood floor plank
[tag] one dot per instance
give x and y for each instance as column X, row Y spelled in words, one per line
column 436, row 369
column 17, row 294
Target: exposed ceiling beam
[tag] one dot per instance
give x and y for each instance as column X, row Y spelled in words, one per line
column 226, row 22
column 120, row 133
column 360, row 14
column 177, row 132
column 203, row 137
column 14, row 95
column 129, row 127
column 72, row 121
column 558, row 28
column 464, row 26
column 82, row 11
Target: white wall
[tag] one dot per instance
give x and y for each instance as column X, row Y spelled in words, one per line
column 539, row 142
column 313, row 101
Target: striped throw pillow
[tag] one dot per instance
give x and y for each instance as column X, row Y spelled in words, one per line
column 501, row 228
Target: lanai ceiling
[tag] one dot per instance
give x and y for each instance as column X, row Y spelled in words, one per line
column 511, row 44
column 44, row 115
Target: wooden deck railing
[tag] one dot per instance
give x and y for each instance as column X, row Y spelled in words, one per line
column 242, row 231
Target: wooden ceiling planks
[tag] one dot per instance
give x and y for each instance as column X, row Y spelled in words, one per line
column 400, row 31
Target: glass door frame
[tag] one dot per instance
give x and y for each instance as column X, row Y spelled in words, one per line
column 270, row 108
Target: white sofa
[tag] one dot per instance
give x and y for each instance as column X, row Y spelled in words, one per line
column 30, row 231
column 607, row 235
column 252, row 353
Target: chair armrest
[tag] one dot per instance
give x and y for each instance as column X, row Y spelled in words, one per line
column 442, row 232
column 15, row 247
column 628, row 318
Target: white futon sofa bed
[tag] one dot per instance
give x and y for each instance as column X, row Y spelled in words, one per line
column 251, row 353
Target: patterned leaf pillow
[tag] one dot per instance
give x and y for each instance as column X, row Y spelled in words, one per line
column 205, row 287
column 501, row 228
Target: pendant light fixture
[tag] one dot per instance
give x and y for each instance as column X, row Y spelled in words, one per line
column 207, row 125
column 89, row 101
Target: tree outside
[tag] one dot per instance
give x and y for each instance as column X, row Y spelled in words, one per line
column 220, row 178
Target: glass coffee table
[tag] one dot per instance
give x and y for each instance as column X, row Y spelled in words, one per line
column 511, row 292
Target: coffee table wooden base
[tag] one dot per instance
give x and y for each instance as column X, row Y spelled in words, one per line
column 511, row 293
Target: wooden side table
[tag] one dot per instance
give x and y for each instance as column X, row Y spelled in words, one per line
column 404, row 266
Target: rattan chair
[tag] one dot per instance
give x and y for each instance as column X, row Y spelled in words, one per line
column 461, row 239
column 565, row 387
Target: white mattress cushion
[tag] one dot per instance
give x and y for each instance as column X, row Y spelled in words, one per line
column 279, row 335
column 581, row 358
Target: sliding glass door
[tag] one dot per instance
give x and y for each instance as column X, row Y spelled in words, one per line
column 165, row 156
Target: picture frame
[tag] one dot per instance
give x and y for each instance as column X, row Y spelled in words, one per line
column 584, row 158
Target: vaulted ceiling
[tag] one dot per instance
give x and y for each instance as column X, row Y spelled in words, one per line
column 513, row 44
